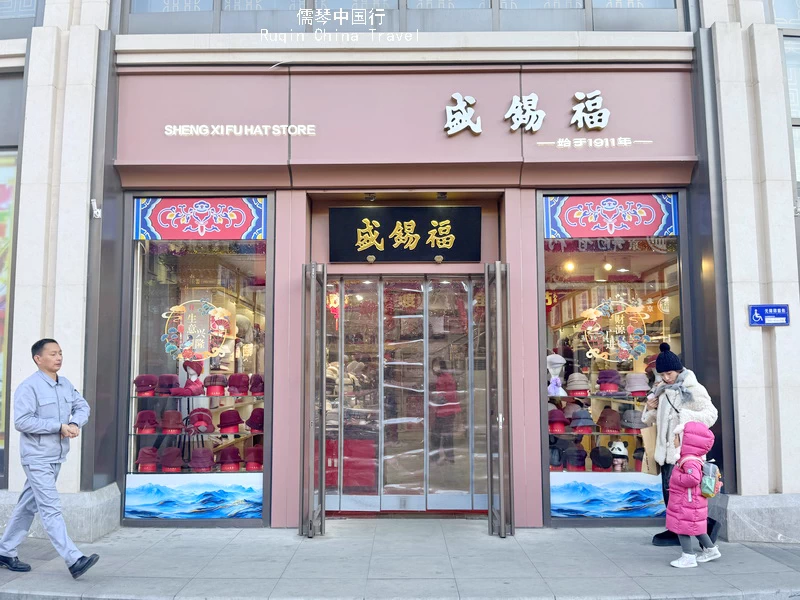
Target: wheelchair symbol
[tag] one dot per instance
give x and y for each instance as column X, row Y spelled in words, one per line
column 757, row 318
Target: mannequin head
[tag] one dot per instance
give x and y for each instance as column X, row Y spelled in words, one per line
column 244, row 329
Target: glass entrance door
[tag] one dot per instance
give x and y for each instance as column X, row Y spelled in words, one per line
column 405, row 393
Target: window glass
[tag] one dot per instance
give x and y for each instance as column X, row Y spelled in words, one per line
column 8, row 180
column 18, row 9
column 792, row 51
column 787, row 14
column 152, row 6
column 609, row 301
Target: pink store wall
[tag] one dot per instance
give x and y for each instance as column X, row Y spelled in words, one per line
column 381, row 128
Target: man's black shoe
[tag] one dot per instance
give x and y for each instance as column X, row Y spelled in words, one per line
column 12, row 563
column 666, row 538
column 83, row 564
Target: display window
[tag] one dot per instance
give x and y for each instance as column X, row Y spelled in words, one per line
column 196, row 423
column 8, row 180
column 612, row 295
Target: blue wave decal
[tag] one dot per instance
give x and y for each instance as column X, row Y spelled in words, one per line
column 214, row 498
column 599, row 499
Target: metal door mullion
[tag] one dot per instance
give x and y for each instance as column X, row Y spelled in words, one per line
column 426, row 392
column 500, row 397
column 323, row 405
column 340, row 439
column 310, row 398
column 304, row 418
column 489, row 358
column 507, row 413
column 471, row 386
column 381, row 366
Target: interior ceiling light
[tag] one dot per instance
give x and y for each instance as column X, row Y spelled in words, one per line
column 607, row 265
column 600, row 274
column 624, row 265
column 369, row 197
column 569, row 266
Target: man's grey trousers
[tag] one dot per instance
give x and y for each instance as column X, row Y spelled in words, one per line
column 39, row 495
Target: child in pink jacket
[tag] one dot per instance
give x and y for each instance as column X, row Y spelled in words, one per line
column 688, row 508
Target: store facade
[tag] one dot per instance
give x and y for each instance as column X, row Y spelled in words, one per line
column 429, row 236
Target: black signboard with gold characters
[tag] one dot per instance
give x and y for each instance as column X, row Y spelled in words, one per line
column 405, row 234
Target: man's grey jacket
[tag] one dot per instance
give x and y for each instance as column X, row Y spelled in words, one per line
column 41, row 406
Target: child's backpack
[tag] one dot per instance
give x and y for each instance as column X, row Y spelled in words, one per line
column 711, row 482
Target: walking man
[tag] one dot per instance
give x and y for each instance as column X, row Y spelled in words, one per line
column 48, row 411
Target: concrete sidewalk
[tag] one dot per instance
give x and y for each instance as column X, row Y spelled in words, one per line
column 408, row 558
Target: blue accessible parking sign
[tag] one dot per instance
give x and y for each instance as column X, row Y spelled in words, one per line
column 769, row 315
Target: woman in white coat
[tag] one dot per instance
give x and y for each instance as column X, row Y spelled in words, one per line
column 678, row 399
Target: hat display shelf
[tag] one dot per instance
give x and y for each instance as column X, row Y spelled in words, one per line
column 165, row 422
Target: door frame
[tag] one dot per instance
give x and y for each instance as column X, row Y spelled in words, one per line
column 382, row 502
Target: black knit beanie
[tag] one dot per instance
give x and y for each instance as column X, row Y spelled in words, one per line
column 667, row 361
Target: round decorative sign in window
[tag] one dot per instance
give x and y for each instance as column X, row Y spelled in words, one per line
column 196, row 330
column 615, row 331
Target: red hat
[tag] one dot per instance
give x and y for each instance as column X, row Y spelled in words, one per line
column 172, row 460
column 256, row 420
column 230, row 420
column 215, row 385
column 257, row 385
column 197, row 366
column 202, row 460
column 254, row 454
column 172, row 421
column 238, row 384
column 201, row 409
column 145, row 384
column 166, row 382
column 146, row 421
column 148, row 460
column 230, row 455
column 609, row 420
column 201, row 421
column 230, row 459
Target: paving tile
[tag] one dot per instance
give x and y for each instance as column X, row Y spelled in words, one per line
column 506, row 589
column 6, row 575
column 272, row 538
column 566, row 562
column 326, row 567
column 177, row 564
column 579, row 587
column 335, row 546
column 106, row 566
column 339, row 589
column 758, row 586
column 642, row 559
column 228, row 565
column 435, row 547
column 778, row 553
column 422, row 589
column 740, row 559
column 708, row 586
column 36, row 548
column 410, row 566
column 224, row 589
column 122, row 588
column 505, row 565
column 46, row 587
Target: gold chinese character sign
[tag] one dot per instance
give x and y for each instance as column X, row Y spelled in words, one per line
column 405, row 234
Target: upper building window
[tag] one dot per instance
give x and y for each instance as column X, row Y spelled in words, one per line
column 17, row 9
column 787, row 13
